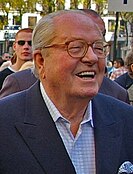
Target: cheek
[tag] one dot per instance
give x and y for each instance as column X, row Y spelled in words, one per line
column 56, row 70
column 101, row 73
column 61, row 66
column 60, row 72
column 102, row 66
column 17, row 50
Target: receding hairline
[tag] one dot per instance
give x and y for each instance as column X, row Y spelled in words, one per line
column 46, row 29
column 97, row 18
column 73, row 15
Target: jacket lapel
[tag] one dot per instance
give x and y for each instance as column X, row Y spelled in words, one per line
column 43, row 140
column 108, row 138
column 41, row 136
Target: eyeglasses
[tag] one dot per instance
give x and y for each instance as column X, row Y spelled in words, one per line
column 7, row 57
column 22, row 42
column 79, row 48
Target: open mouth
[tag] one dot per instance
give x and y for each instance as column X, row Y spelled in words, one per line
column 86, row 75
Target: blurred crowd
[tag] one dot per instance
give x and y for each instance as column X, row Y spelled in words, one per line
column 121, row 71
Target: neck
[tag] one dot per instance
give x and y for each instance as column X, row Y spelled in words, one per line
column 17, row 65
column 73, row 110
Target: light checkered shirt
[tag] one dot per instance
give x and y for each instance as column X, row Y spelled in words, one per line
column 118, row 72
column 81, row 148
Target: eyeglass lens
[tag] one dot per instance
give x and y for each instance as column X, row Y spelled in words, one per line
column 22, row 42
column 80, row 48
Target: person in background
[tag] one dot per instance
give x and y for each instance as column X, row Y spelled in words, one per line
column 6, row 56
column 5, row 61
column 109, row 67
column 61, row 124
column 17, row 82
column 126, row 79
column 23, row 52
column 27, row 65
column 120, row 69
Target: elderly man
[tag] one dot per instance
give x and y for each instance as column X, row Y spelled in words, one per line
column 15, row 82
column 61, row 125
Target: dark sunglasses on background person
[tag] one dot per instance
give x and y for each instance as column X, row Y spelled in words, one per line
column 8, row 57
column 22, row 42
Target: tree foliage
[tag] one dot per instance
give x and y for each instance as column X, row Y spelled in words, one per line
column 48, row 6
column 100, row 5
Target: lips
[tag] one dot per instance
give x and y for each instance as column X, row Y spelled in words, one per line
column 86, row 74
column 26, row 54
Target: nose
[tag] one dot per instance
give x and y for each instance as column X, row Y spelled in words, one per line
column 90, row 56
column 26, row 45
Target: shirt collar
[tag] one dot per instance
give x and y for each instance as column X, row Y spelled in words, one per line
column 55, row 114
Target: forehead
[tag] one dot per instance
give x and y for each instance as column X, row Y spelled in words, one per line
column 24, row 35
column 77, row 25
column 6, row 54
column 98, row 21
column 100, row 24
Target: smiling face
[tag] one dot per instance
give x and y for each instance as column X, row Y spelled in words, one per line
column 67, row 77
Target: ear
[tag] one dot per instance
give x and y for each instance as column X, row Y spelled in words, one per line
column 39, row 61
column 14, row 46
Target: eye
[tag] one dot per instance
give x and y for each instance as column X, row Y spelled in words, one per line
column 75, row 47
column 98, row 47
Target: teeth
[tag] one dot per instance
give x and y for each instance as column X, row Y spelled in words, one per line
column 86, row 74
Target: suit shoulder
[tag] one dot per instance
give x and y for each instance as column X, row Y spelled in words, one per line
column 110, row 108
column 21, row 73
column 107, row 100
column 114, row 84
column 13, row 100
column 5, row 71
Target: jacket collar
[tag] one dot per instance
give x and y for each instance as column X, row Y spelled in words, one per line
column 41, row 136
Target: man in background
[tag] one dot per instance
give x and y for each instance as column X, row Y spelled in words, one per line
column 5, row 61
column 23, row 52
column 126, row 79
column 6, row 56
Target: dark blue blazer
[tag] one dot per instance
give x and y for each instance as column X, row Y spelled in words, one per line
column 3, row 74
column 124, row 80
column 113, row 89
column 31, row 144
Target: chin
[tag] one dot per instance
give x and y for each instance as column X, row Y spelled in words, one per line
column 89, row 94
column 28, row 58
column 92, row 93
